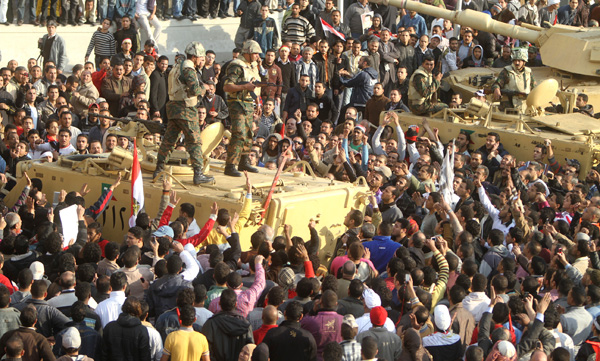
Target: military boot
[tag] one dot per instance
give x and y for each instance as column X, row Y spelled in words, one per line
column 160, row 166
column 231, row 171
column 200, row 178
column 245, row 165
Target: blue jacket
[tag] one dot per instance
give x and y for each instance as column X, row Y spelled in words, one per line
column 382, row 250
column 362, row 86
column 418, row 22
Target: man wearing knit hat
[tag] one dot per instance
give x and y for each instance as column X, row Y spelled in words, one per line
column 443, row 344
column 388, row 343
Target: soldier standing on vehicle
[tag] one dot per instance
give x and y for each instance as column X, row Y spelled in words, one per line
column 242, row 96
column 514, row 82
column 423, row 87
column 184, row 89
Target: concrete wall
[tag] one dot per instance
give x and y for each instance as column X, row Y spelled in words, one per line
column 20, row 42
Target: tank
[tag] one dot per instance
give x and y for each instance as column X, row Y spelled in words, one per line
column 573, row 135
column 299, row 196
column 576, row 73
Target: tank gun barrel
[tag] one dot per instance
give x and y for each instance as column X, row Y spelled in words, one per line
column 474, row 19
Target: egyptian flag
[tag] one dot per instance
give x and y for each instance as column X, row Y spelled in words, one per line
column 137, row 187
column 328, row 28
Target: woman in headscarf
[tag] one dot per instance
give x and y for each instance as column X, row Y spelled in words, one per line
column 476, row 60
column 412, row 348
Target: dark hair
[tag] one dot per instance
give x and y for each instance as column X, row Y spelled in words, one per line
column 28, row 316
column 118, row 281
column 369, row 347
column 83, row 290
column 85, row 272
column 111, row 251
column 479, row 283
column 228, row 300
column 78, row 311
column 578, row 295
column 457, row 294
column 294, row 311
column 174, row 264
column 333, row 352
column 473, row 353
column 4, row 296
column 25, row 278
column 14, row 347
column 132, row 305
column 199, row 293
column 221, row 272
column 187, row 315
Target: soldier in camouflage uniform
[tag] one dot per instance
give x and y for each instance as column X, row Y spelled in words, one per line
column 184, row 89
column 242, row 96
column 515, row 81
column 423, row 87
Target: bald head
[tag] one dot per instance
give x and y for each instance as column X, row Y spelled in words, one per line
column 538, row 355
column 67, row 280
column 270, row 315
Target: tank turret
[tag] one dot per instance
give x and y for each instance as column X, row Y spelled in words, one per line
column 554, row 42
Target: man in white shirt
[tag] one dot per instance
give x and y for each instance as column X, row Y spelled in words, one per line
column 64, row 143
column 477, row 302
column 144, row 19
column 110, row 309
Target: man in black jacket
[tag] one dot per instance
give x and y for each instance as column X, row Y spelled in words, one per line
column 158, row 88
column 289, row 341
column 227, row 332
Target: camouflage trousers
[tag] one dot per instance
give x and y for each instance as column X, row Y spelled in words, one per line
column 241, row 115
column 190, row 129
column 423, row 109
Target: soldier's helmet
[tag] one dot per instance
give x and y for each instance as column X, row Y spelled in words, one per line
column 520, row 54
column 195, row 48
column 251, row 47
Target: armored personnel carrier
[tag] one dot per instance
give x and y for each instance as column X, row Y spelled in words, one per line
column 571, row 55
column 297, row 198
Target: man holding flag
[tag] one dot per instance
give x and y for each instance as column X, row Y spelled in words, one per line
column 137, row 187
column 335, row 30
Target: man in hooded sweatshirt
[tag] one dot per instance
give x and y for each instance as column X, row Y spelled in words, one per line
column 495, row 254
column 362, row 83
column 227, row 331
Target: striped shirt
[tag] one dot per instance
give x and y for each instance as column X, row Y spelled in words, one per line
column 297, row 30
column 102, row 43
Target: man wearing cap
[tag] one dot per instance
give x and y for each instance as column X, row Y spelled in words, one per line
column 389, row 344
column 184, row 89
column 443, row 344
column 371, row 300
column 423, row 87
column 242, row 95
column 516, row 80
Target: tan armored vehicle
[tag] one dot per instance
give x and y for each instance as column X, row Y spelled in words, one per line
column 297, row 199
column 573, row 135
column 571, row 54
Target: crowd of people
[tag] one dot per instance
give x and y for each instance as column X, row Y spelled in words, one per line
column 460, row 253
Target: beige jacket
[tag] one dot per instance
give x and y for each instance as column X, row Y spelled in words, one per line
column 87, row 96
